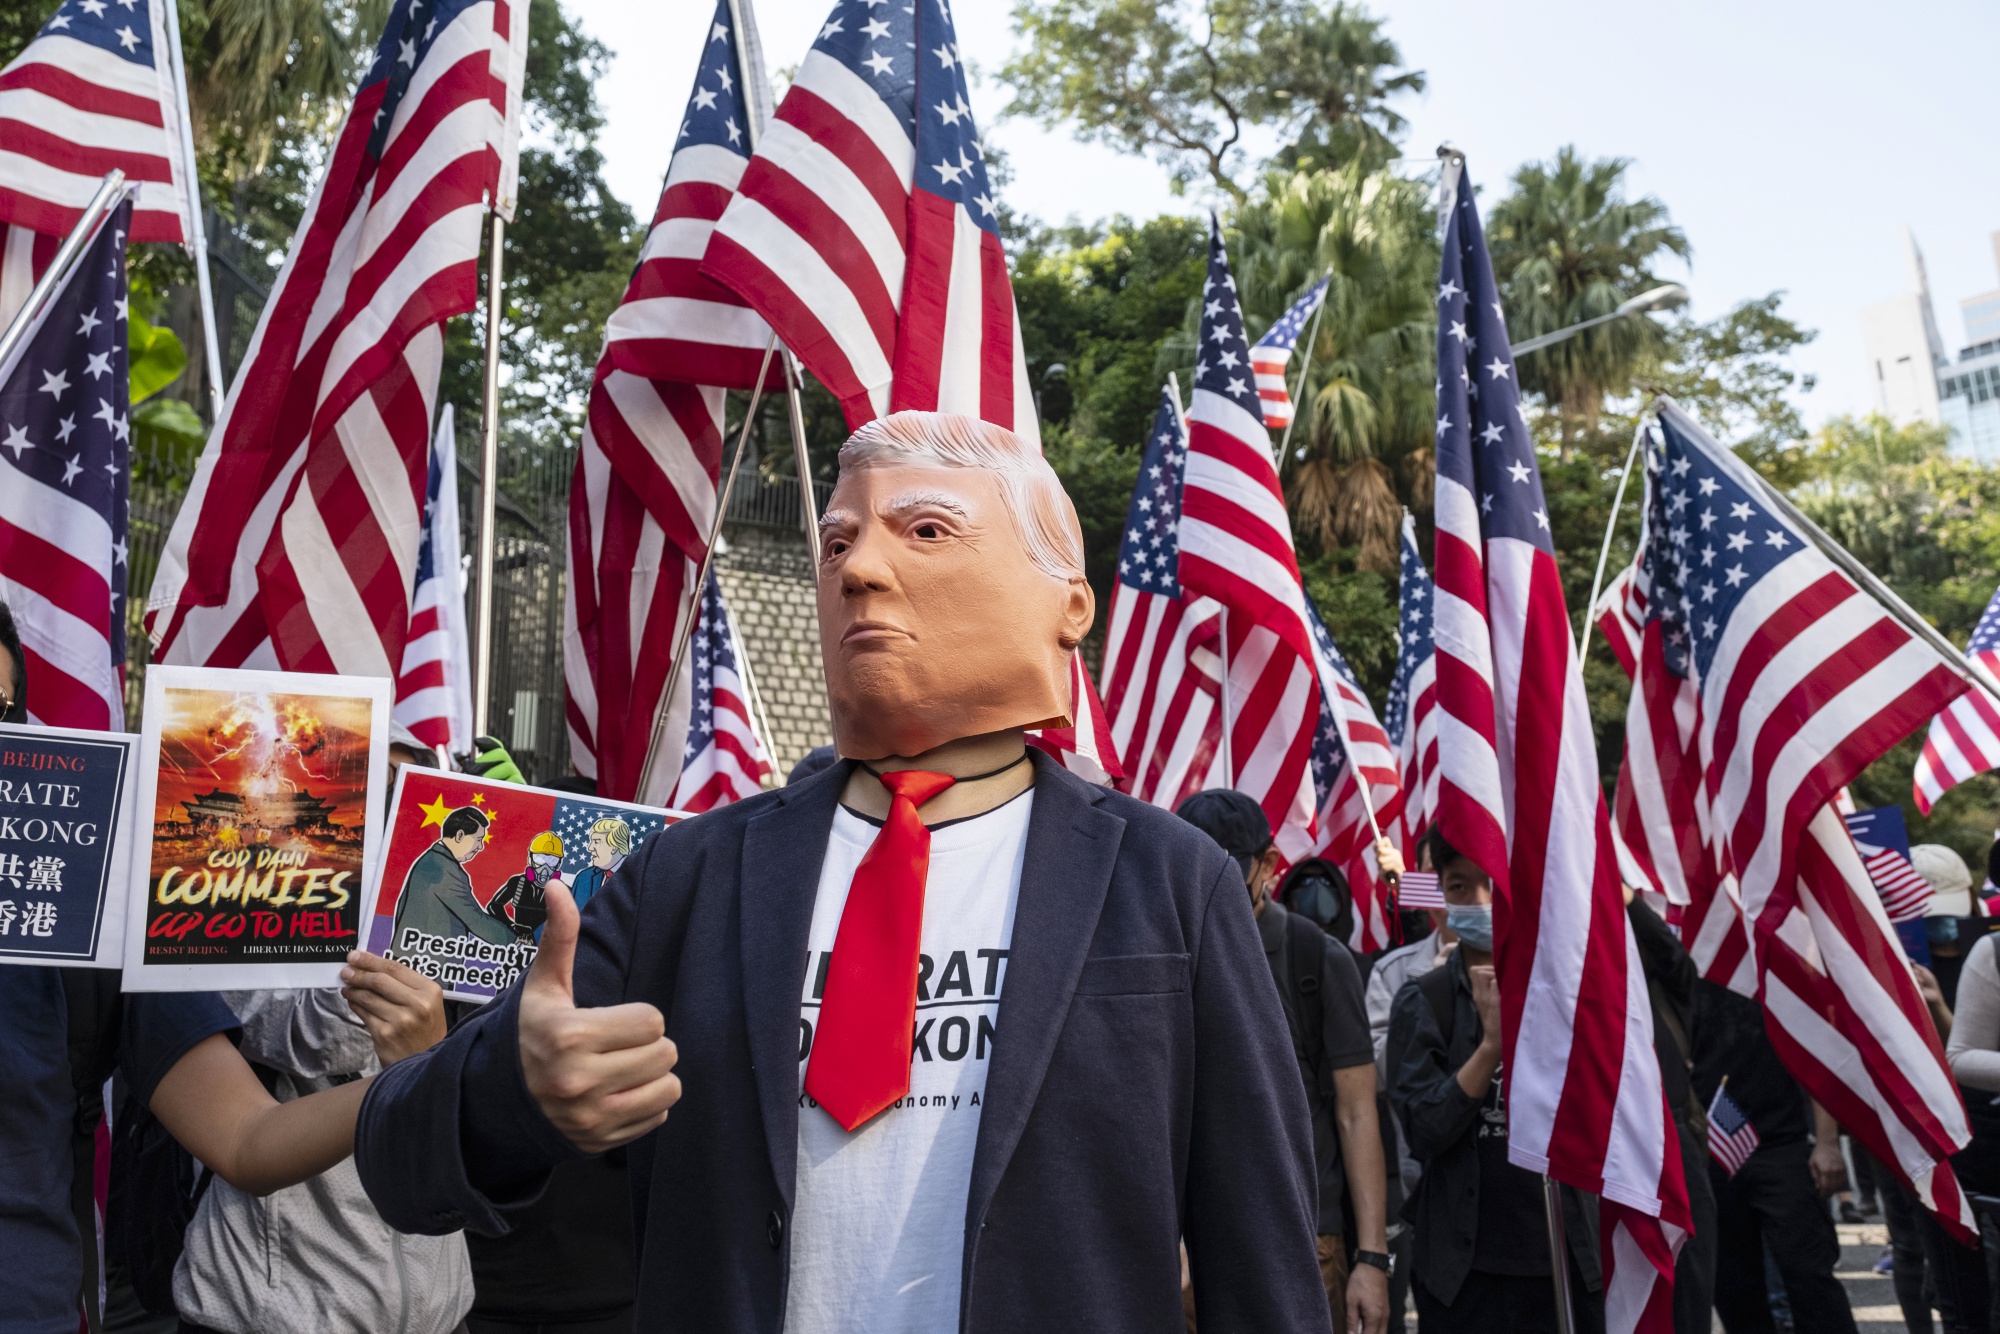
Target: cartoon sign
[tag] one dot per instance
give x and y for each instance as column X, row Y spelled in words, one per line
column 463, row 887
column 66, row 800
column 260, row 788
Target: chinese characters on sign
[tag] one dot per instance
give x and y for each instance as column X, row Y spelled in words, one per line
column 65, row 802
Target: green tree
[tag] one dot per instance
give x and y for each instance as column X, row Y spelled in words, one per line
column 1567, row 247
column 1183, row 83
column 1361, row 450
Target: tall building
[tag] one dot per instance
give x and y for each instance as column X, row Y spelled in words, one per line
column 1905, row 351
column 1982, row 312
column 1969, row 388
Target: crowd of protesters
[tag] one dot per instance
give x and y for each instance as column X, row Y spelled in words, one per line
column 235, row 1206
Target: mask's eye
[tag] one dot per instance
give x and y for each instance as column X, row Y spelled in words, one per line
column 833, row 546
column 929, row 531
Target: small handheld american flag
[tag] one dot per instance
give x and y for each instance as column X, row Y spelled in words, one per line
column 1419, row 889
column 1273, row 353
column 724, row 760
column 1731, row 1137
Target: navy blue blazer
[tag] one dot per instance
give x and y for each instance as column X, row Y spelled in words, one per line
column 1142, row 1086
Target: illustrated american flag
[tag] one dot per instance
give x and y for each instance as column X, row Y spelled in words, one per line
column 298, row 543
column 724, row 759
column 1964, row 739
column 65, row 478
column 1519, row 794
column 1412, row 704
column 643, row 497
column 866, row 231
column 1884, row 844
column 434, row 688
column 1353, row 768
column 1236, row 547
column 1731, row 1137
column 1160, row 663
column 1272, row 353
column 1779, row 681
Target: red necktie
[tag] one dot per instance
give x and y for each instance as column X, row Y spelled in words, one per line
column 860, row 1059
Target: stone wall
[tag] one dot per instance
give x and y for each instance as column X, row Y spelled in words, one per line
column 767, row 582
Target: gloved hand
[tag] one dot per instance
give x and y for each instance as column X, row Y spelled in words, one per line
column 491, row 760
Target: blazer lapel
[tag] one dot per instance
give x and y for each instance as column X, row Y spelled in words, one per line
column 1072, row 848
column 783, row 850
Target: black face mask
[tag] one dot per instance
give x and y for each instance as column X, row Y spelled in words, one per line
column 1315, row 898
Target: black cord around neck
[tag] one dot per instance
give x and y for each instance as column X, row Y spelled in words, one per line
column 1018, row 760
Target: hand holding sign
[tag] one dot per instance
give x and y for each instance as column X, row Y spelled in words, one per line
column 605, row 1076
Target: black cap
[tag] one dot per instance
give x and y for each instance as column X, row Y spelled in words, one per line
column 1233, row 819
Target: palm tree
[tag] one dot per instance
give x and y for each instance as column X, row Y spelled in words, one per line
column 264, row 70
column 1362, row 447
column 1568, row 246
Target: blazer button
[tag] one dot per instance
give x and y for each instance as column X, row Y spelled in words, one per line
column 775, row 1232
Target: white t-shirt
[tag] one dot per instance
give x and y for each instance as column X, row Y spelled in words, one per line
column 878, row 1227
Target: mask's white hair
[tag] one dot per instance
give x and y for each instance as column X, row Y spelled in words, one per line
column 1041, row 508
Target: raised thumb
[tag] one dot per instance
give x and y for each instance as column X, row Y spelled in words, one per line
column 552, row 974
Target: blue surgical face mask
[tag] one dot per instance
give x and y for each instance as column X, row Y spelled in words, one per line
column 1472, row 923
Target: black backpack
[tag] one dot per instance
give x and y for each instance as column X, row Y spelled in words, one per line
column 1305, row 950
column 155, row 1183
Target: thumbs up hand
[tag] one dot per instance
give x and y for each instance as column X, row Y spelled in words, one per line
column 605, row 1076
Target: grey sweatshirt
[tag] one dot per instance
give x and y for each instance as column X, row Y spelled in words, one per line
column 314, row 1258
column 1974, row 1048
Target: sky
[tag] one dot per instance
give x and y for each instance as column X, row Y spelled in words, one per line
column 1792, row 141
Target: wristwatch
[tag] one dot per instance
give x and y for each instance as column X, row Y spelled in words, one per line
column 1385, row 1263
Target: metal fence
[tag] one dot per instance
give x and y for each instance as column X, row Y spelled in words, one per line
column 528, row 698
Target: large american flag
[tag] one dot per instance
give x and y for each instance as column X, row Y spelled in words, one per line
column 65, row 478
column 1354, row 769
column 1160, row 663
column 866, row 229
column 298, row 543
column 434, row 689
column 1236, row 547
column 1793, row 680
column 643, row 498
column 1412, row 706
column 724, row 759
column 1519, row 794
column 1964, row 739
column 1272, row 353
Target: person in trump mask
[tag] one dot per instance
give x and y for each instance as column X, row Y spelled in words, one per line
column 942, row 1037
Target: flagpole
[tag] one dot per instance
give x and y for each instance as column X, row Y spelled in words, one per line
column 94, row 213
column 674, row 664
column 489, row 485
column 1305, row 366
column 197, row 225
column 1558, row 1254
column 1604, row 552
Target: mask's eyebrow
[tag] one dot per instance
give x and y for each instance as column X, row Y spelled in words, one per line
column 835, row 518
column 911, row 500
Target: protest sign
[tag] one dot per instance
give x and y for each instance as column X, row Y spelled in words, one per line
column 262, row 789
column 66, row 799
column 467, row 863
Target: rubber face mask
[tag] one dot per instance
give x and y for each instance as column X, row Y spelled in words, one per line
column 935, row 623
column 1472, row 923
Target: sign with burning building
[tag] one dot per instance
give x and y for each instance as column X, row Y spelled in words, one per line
column 264, row 791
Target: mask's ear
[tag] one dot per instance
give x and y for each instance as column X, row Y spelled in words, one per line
column 1078, row 614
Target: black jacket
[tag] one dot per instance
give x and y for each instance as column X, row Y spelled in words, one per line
column 1140, row 1088
column 1440, row 1118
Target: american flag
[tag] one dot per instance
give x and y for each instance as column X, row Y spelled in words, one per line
column 1884, row 843
column 434, row 689
column 94, row 91
column 1353, row 765
column 1964, row 739
column 1790, row 680
column 1412, row 710
column 1419, row 889
column 724, row 759
column 1273, row 352
column 65, row 439
column 1236, row 547
column 1519, row 794
column 643, row 498
column 1619, row 614
column 298, row 543
column 866, row 231
column 1731, row 1137
column 1160, row 663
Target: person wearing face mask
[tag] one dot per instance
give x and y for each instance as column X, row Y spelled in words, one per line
column 522, row 903
column 1314, row 972
column 1481, row 1244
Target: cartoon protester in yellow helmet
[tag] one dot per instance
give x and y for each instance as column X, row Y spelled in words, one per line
column 521, row 902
